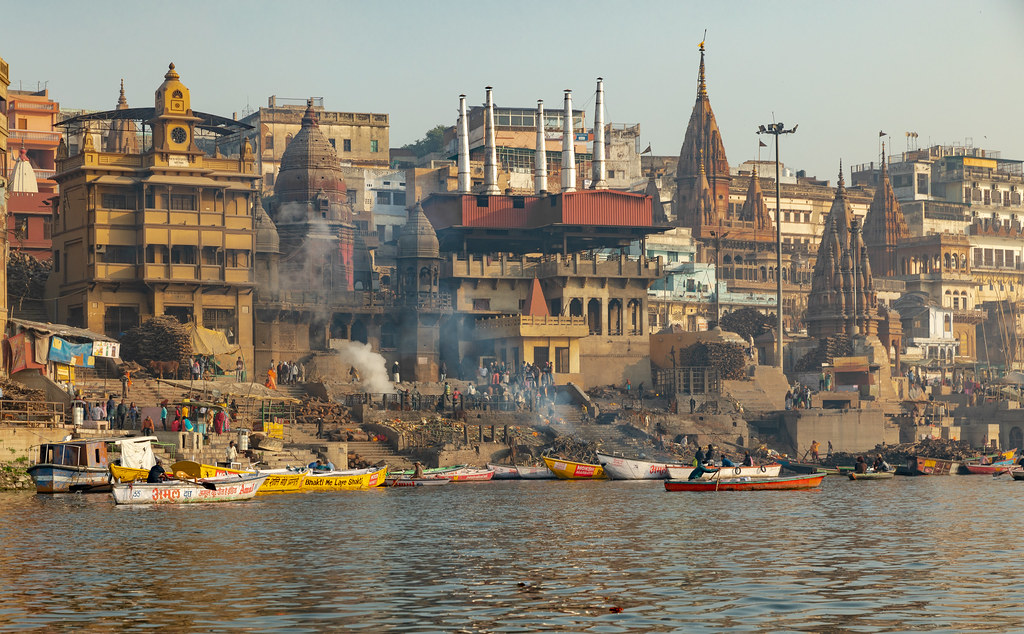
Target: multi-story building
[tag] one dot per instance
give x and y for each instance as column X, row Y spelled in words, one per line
column 5, row 81
column 167, row 230
column 34, row 141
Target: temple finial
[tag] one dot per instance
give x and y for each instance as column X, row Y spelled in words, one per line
column 842, row 182
column 702, row 87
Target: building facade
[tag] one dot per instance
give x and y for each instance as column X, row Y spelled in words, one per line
column 166, row 231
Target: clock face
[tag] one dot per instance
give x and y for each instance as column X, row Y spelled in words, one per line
column 178, row 135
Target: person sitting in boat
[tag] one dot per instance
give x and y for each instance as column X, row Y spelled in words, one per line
column 417, row 469
column 726, row 462
column 880, row 464
column 698, row 458
column 699, row 470
column 157, row 473
column 747, row 460
column 861, row 466
column 328, row 465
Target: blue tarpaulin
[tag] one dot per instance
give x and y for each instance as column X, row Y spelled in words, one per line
column 76, row 354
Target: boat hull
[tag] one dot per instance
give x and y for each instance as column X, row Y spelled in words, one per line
column 183, row 492
column 569, row 470
column 781, row 483
column 283, row 480
column 985, row 469
column 535, row 473
column 352, row 480
column 469, row 475
column 127, row 474
column 933, row 466
column 195, row 470
column 54, row 478
column 875, row 475
column 619, row 468
column 504, row 472
column 772, row 470
column 415, row 482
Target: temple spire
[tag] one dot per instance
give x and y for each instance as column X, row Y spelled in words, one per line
column 702, row 87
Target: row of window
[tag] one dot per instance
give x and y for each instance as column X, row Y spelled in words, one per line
column 159, row 254
column 391, row 198
column 346, row 144
column 1002, row 258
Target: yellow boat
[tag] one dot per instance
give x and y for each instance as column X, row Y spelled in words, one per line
column 345, row 480
column 569, row 470
column 127, row 474
column 283, row 480
column 193, row 469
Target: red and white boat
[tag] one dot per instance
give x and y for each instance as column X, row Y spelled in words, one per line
column 619, row 468
column 415, row 482
column 227, row 489
column 520, row 472
column 771, row 470
column 467, row 474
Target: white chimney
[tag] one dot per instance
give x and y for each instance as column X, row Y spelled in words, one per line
column 540, row 157
column 490, row 152
column 465, row 181
column 599, row 182
column 568, row 149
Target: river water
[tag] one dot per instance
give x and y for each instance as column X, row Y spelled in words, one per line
column 928, row 553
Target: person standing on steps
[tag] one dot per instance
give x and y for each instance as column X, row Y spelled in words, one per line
column 395, row 376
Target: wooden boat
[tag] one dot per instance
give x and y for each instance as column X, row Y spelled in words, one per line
column 569, row 470
column 771, row 470
column 136, row 459
column 810, row 467
column 283, row 480
column 872, row 475
column 415, row 482
column 801, row 481
column 348, row 480
column 504, row 472
column 430, row 472
column 917, row 465
column 467, row 474
column 619, row 468
column 522, row 472
column 127, row 474
column 989, row 469
column 77, row 465
column 1018, row 474
column 229, row 489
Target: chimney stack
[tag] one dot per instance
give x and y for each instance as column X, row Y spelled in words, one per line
column 491, row 153
column 465, row 181
column 599, row 174
column 540, row 157
column 568, row 149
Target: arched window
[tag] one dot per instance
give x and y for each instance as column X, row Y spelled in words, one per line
column 948, row 261
column 268, row 142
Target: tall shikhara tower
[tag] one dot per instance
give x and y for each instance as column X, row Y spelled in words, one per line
column 884, row 227
column 842, row 298
column 702, row 174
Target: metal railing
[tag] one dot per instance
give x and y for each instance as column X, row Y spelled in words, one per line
column 37, row 413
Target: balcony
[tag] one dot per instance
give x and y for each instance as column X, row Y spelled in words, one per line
column 114, row 272
column 183, row 272
column 52, row 138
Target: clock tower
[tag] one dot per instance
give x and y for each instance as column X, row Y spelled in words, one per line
column 173, row 122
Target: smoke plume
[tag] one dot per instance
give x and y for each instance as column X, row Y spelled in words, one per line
column 372, row 367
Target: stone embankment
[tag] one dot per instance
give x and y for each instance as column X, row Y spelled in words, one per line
column 13, row 477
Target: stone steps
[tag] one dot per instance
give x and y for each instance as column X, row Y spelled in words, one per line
column 374, row 452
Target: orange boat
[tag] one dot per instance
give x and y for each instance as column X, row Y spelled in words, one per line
column 748, row 484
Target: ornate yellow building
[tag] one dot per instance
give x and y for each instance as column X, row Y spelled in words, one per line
column 167, row 230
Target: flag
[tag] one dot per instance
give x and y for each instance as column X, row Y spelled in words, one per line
column 881, row 134
column 761, row 144
column 648, row 150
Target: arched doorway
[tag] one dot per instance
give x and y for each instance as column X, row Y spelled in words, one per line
column 359, row 331
column 594, row 316
column 635, row 322
column 576, row 308
column 615, row 317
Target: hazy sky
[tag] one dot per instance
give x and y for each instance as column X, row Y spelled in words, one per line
column 948, row 70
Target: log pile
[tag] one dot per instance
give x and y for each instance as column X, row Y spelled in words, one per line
column 828, row 349
column 899, row 454
column 160, row 338
column 573, row 448
column 14, row 391
column 730, row 359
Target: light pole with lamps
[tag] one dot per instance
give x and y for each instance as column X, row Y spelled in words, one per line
column 775, row 129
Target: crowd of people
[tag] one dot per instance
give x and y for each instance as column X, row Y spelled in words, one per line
column 285, row 373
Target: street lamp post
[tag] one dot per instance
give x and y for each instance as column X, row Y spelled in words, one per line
column 775, row 129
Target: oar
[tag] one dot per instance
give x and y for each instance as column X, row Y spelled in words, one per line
column 718, row 474
column 999, row 473
column 206, row 485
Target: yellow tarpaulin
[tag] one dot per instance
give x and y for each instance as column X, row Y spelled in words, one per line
column 214, row 343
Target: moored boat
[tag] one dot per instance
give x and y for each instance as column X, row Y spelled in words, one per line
column 348, row 480
column 503, row 471
column 468, row 474
column 415, row 482
column 1018, row 474
column 196, row 470
column 78, row 465
column 229, row 489
column 535, row 472
column 872, row 475
column 918, row 465
column 570, row 470
column 771, row 470
column 989, row 469
column 283, row 480
column 809, row 467
column 429, row 472
column 801, row 481
column 620, row 468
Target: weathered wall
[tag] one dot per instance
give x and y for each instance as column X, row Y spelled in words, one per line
column 847, row 430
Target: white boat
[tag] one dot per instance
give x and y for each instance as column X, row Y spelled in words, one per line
column 771, row 470
column 228, row 489
column 535, row 473
column 504, row 472
column 619, row 468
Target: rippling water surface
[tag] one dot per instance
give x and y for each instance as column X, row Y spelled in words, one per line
column 931, row 553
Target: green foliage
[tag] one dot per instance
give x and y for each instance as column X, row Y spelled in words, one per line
column 748, row 322
column 432, row 141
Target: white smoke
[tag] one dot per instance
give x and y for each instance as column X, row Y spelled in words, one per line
column 371, row 366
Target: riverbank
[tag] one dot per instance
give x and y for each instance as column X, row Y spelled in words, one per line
column 14, row 477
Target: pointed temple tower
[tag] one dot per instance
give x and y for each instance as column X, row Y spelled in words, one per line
column 702, row 174
column 754, row 208
column 123, row 137
column 842, row 299
column 419, row 259
column 884, row 227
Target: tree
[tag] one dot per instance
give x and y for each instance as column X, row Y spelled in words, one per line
column 161, row 338
column 748, row 322
column 26, row 277
column 432, row 141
